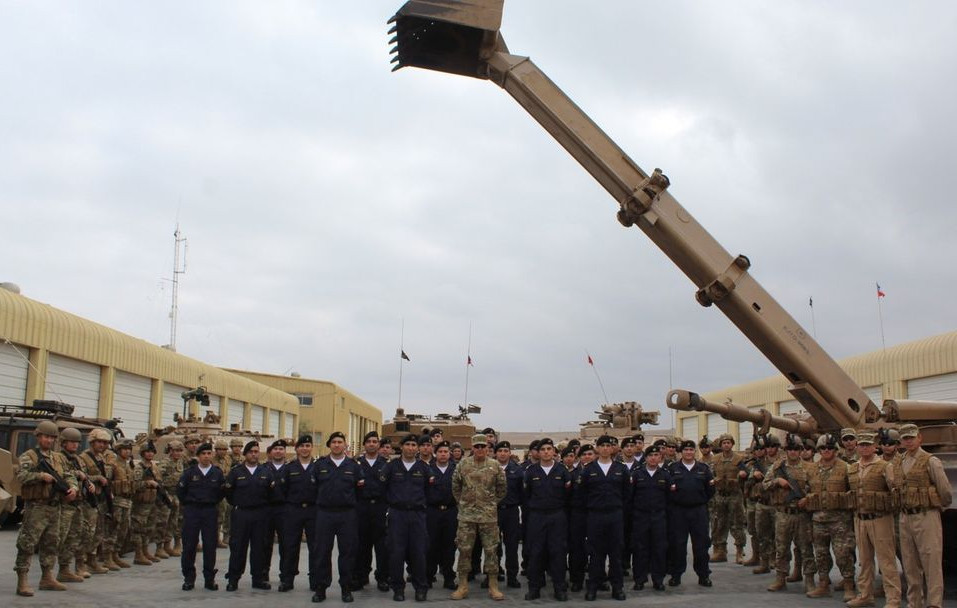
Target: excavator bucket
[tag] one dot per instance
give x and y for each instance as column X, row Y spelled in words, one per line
column 455, row 36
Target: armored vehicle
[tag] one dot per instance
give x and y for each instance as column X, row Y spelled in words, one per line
column 208, row 428
column 617, row 419
column 455, row 427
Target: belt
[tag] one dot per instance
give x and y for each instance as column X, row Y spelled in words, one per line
column 407, row 507
column 301, row 505
column 914, row 511
column 202, row 505
column 250, row 508
column 335, row 509
column 548, row 510
column 870, row 516
column 369, row 501
column 442, row 507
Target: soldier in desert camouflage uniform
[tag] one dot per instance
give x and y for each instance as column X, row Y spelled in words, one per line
column 832, row 527
column 70, row 525
column 145, row 476
column 764, row 513
column 95, row 531
column 728, row 501
column 788, row 484
column 168, row 529
column 41, row 512
column 478, row 485
column 752, row 491
column 122, row 497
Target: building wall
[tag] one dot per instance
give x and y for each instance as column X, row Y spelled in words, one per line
column 883, row 374
column 332, row 408
column 43, row 334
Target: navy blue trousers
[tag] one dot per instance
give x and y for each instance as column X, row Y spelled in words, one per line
column 408, row 543
column 649, row 541
column 511, row 529
column 247, row 533
column 577, row 549
column 372, row 538
column 275, row 515
column 690, row 521
column 605, row 542
column 442, row 526
column 547, row 534
column 335, row 525
column 199, row 519
column 298, row 519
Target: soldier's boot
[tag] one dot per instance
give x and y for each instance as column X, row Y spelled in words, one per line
column 849, row 593
column 493, row 590
column 808, row 583
column 754, row 561
column 94, row 566
column 780, row 583
column 860, row 602
column 795, row 576
column 23, row 585
column 65, row 576
column 119, row 562
column 739, row 554
column 168, row 547
column 161, row 552
column 823, row 589
column 140, row 559
column 109, row 563
column 719, row 554
column 148, row 555
column 48, row 582
column 463, row 591
column 177, row 548
column 763, row 568
column 81, row 567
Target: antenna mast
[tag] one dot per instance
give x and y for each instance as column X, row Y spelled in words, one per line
column 174, row 309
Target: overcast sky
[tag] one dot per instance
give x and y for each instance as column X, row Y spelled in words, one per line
column 325, row 199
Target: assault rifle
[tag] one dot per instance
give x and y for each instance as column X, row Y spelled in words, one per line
column 107, row 490
column 59, row 483
column 796, row 493
column 88, row 496
column 160, row 490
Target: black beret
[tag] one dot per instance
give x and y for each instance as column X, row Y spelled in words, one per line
column 335, row 435
column 410, row 438
column 204, row 447
column 605, row 440
column 502, row 444
column 443, row 444
column 627, row 441
column 148, row 447
column 435, row 431
column 249, row 446
column 369, row 436
column 488, row 431
column 385, row 441
column 304, row 439
column 687, row 443
column 570, row 450
column 279, row 443
column 639, row 437
column 660, row 442
column 534, row 444
column 652, row 449
column 586, row 447
column 574, row 443
column 546, row 441
column 424, row 439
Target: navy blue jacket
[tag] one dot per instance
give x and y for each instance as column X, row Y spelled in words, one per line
column 650, row 493
column 547, row 492
column 577, row 499
column 374, row 488
column 405, row 489
column 336, row 485
column 275, row 496
column 691, row 488
column 194, row 488
column 514, row 485
column 605, row 492
column 298, row 484
column 439, row 491
column 245, row 489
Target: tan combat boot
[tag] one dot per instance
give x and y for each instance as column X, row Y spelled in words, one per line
column 823, row 589
column 780, row 583
column 763, row 568
column 177, row 548
column 109, row 563
column 148, row 555
column 119, row 562
column 849, row 592
column 463, row 590
column 860, row 602
column 65, row 576
column 168, row 547
column 48, row 582
column 139, row 559
column 161, row 552
column 754, row 561
column 795, row 576
column 719, row 554
column 23, row 586
column 493, row 590
column 94, row 566
column 738, row 554
column 81, row 567
column 808, row 583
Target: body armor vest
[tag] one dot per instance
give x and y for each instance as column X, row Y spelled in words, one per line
column 798, row 474
column 122, row 479
column 144, row 494
column 40, row 490
column 870, row 492
column 829, row 487
column 726, row 472
column 917, row 491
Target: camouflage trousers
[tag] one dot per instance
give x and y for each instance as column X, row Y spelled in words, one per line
column 223, row 509
column 39, row 533
column 88, row 521
column 833, row 531
column 71, row 528
column 728, row 514
column 764, row 517
column 749, row 508
column 170, row 528
column 157, row 524
column 793, row 527
column 120, row 526
column 104, row 530
column 465, row 541
column 140, row 521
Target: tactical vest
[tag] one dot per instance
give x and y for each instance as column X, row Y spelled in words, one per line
column 90, row 462
column 122, row 479
column 40, row 490
column 146, row 495
column 798, row 473
column 917, row 491
column 171, row 470
column 754, row 487
column 829, row 488
column 726, row 473
column 870, row 494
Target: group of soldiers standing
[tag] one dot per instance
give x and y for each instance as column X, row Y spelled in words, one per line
column 601, row 510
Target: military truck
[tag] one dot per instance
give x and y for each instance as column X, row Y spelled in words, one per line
column 17, row 423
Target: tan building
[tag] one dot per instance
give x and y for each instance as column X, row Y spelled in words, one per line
column 925, row 369
column 325, row 407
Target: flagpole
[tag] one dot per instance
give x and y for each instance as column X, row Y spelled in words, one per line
column 401, row 360
column 595, row 369
column 468, row 361
column 880, row 315
column 810, row 303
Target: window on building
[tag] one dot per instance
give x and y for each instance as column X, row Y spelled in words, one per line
column 402, row 427
column 305, row 399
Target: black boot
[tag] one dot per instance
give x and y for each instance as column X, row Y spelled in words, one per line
column 319, row 595
column 533, row 594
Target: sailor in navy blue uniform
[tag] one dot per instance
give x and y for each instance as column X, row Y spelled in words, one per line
column 547, row 485
column 248, row 487
column 692, row 485
column 275, row 512
column 298, row 487
column 509, row 523
column 531, row 457
column 442, row 517
column 406, row 479
column 199, row 490
column 627, row 458
column 651, row 486
column 337, row 477
column 577, row 522
column 371, row 511
column 606, row 485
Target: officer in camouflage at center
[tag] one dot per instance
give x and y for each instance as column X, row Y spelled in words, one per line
column 478, row 485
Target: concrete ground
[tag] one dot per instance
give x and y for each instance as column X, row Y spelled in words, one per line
column 160, row 585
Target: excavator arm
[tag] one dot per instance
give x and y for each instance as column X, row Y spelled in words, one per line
column 462, row 37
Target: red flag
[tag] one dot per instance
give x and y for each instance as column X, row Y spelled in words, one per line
column 590, row 362
column 470, row 360
column 880, row 294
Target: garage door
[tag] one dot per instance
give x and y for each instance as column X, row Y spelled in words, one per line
column 790, row 407
column 716, row 426
column 290, row 430
column 689, row 428
column 131, row 403
column 13, row 374
column 213, row 406
column 236, row 409
column 933, row 388
column 876, row 393
column 172, row 402
column 274, row 423
column 257, row 415
column 74, row 382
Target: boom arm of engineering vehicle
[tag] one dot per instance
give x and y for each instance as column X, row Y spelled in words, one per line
column 462, row 37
